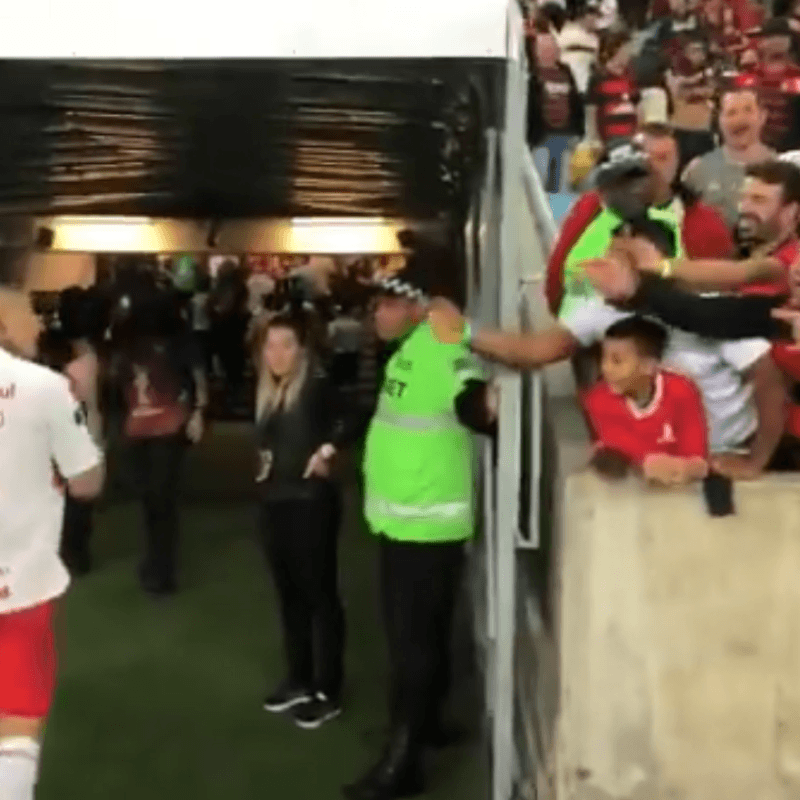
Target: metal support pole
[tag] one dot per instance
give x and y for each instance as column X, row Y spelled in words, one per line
column 509, row 459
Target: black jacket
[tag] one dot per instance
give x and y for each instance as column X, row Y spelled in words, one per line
column 717, row 317
column 287, row 439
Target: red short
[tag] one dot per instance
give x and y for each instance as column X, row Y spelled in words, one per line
column 27, row 662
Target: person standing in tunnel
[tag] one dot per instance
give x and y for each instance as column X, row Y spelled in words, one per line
column 82, row 325
column 160, row 375
column 229, row 319
column 300, row 425
column 418, row 502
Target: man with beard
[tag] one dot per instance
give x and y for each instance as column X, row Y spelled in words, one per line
column 766, row 232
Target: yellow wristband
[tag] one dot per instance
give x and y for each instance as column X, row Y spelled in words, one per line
column 666, row 268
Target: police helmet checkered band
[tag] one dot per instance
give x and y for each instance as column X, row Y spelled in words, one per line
column 393, row 284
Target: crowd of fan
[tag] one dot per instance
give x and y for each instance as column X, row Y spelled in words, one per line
column 678, row 125
column 598, row 72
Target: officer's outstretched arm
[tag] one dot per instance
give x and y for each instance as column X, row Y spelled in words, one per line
column 525, row 350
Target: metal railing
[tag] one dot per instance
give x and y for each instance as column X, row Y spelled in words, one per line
column 515, row 231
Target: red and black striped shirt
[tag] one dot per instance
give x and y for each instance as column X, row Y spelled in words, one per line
column 616, row 98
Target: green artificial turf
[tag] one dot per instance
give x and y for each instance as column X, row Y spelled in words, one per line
column 162, row 699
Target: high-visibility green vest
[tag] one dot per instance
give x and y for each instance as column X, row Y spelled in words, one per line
column 418, row 461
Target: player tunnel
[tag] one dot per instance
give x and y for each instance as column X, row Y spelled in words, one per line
column 264, row 142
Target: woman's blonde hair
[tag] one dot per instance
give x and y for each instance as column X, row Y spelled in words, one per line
column 268, row 393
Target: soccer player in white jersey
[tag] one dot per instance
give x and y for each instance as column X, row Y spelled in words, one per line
column 44, row 445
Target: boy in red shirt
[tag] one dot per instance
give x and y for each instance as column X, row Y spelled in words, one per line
column 642, row 414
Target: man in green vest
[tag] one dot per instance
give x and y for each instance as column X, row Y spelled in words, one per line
column 418, row 502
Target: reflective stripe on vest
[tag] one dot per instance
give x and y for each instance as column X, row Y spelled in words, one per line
column 446, row 421
column 438, row 511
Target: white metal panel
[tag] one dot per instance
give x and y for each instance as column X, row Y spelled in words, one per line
column 505, row 766
column 243, row 29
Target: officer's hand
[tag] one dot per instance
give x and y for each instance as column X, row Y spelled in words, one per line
column 446, row 321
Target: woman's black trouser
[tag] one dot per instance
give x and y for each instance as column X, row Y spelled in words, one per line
column 155, row 472
column 420, row 583
column 76, row 534
column 300, row 541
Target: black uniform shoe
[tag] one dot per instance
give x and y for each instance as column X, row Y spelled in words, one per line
column 440, row 737
column 437, row 737
column 398, row 774
column 316, row 712
column 287, row 696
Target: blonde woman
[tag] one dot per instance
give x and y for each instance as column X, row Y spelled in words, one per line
column 298, row 425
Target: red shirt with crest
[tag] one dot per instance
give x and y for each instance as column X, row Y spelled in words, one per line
column 673, row 423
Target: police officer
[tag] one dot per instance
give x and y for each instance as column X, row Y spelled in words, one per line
column 418, row 500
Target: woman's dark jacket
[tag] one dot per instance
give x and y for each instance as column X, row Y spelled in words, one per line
column 288, row 438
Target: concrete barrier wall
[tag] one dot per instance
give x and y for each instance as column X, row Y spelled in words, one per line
column 678, row 640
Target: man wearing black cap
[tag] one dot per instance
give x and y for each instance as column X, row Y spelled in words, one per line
column 627, row 187
column 418, row 487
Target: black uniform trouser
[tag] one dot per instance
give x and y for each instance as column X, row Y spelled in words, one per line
column 300, row 541
column 155, row 471
column 419, row 585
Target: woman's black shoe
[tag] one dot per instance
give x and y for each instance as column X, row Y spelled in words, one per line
column 157, row 586
column 286, row 696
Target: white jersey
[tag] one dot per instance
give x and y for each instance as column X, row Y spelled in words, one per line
column 717, row 367
column 42, row 428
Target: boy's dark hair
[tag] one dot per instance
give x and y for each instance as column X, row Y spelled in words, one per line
column 649, row 336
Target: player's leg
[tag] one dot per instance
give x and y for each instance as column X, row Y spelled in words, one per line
column 27, row 680
column 19, row 757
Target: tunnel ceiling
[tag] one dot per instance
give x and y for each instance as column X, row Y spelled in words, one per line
column 240, row 139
